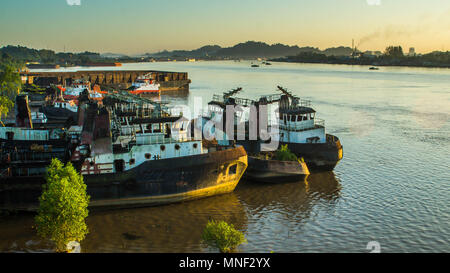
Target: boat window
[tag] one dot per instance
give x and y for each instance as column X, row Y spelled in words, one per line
column 284, row 118
column 10, row 135
column 148, row 156
column 232, row 170
column 313, row 115
column 157, row 128
column 195, row 145
column 293, row 118
column 132, row 161
column 167, row 130
column 119, row 165
column 177, row 147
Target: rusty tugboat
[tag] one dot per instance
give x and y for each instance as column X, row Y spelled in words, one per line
column 278, row 165
column 130, row 151
column 296, row 126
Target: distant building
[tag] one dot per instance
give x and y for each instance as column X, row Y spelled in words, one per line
column 412, row 51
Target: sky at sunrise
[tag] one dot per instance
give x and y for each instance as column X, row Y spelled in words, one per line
column 140, row 26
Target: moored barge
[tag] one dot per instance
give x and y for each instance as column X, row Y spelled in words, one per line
column 132, row 153
column 271, row 170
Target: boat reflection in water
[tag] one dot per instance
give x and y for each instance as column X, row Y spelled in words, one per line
column 171, row 228
column 290, row 196
column 281, row 216
column 272, row 217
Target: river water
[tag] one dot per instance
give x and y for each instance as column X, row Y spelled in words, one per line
column 392, row 186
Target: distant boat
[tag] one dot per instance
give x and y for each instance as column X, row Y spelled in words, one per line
column 374, row 68
column 73, row 91
column 255, row 65
column 267, row 63
column 144, row 85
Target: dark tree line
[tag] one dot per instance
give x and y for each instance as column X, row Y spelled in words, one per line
column 45, row 56
column 393, row 56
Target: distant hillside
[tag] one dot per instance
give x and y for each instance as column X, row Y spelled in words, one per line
column 197, row 53
column 250, row 49
column 113, row 55
column 46, row 56
column 338, row 51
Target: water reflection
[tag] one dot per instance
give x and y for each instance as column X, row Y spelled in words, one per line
column 171, row 228
column 18, row 235
column 290, row 196
column 180, row 97
column 178, row 227
column 280, row 214
column 323, row 186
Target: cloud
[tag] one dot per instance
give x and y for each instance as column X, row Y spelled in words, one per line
column 73, row 2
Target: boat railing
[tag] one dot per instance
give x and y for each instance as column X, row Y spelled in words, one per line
column 244, row 102
column 218, row 98
column 33, row 156
column 302, row 126
column 298, row 102
column 148, row 139
column 319, row 122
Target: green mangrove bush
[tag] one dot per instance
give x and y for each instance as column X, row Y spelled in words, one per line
column 284, row 154
column 63, row 206
column 223, row 236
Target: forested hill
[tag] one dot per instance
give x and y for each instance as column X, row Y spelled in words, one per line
column 249, row 50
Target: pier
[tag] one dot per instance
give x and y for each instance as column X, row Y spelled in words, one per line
column 169, row 81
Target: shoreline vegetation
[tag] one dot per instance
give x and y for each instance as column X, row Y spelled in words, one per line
column 431, row 60
column 392, row 56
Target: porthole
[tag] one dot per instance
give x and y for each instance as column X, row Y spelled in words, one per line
column 132, row 161
column 148, row 156
column 195, row 145
column 177, row 147
column 163, row 147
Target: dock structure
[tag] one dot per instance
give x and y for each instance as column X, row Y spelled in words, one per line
column 168, row 80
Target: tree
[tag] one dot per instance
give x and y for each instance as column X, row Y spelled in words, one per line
column 5, row 105
column 223, row 236
column 63, row 206
column 10, row 84
column 394, row 51
column 10, row 81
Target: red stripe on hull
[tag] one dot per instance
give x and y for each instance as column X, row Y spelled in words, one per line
column 144, row 91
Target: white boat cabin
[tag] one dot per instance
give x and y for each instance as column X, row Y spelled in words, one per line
column 69, row 105
column 300, row 125
column 144, row 140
